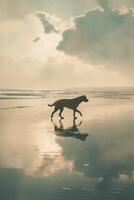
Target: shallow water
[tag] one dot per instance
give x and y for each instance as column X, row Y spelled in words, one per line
column 91, row 158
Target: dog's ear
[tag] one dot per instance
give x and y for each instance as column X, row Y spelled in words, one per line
column 83, row 96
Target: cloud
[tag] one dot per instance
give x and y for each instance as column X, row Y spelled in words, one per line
column 102, row 38
column 18, row 8
column 60, row 73
column 55, row 73
column 24, row 62
column 17, row 39
column 105, row 4
column 19, row 72
column 46, row 22
column 31, row 73
column 36, row 39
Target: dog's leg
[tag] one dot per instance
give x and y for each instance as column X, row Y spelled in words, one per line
column 61, row 110
column 55, row 110
column 74, row 111
column 79, row 112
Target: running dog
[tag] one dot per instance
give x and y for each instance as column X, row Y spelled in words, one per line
column 68, row 103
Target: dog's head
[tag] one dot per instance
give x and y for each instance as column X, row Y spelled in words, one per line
column 84, row 98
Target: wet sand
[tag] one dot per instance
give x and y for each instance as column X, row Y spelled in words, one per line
column 91, row 158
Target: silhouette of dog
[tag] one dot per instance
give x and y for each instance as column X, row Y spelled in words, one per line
column 68, row 103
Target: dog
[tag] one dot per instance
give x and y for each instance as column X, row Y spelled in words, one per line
column 68, row 103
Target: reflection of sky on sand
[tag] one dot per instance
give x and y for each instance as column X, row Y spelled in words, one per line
column 102, row 164
column 53, row 160
column 28, row 143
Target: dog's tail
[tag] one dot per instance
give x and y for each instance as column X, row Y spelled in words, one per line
column 51, row 104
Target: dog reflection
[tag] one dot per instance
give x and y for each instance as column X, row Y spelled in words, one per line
column 72, row 131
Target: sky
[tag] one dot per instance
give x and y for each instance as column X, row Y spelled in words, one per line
column 57, row 44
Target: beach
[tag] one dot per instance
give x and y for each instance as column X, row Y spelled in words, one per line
column 89, row 158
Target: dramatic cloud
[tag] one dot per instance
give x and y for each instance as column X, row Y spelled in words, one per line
column 46, row 22
column 102, row 37
column 28, row 38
